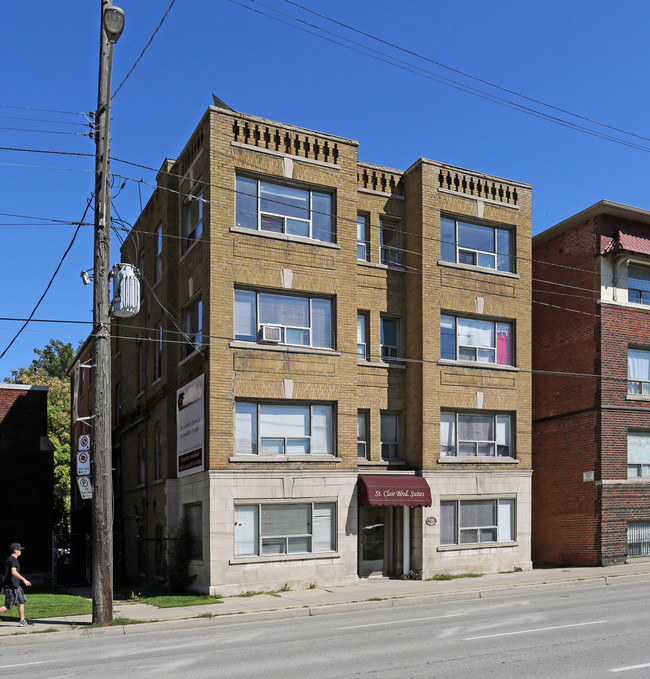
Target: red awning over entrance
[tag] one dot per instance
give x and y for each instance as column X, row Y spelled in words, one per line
column 412, row 491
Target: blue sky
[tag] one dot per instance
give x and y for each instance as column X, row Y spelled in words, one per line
column 588, row 58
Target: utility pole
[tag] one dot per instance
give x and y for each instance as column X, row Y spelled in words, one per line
column 112, row 23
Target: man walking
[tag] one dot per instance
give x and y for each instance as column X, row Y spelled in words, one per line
column 14, row 594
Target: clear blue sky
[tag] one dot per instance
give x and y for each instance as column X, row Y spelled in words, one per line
column 587, row 57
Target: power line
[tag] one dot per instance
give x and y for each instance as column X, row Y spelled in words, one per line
column 44, row 110
column 26, row 129
column 144, row 50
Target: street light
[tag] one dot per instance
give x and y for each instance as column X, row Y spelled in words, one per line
column 102, row 500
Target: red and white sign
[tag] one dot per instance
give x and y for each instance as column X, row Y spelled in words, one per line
column 84, row 442
column 83, row 463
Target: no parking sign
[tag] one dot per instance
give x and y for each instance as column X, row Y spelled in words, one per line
column 83, row 463
column 84, row 442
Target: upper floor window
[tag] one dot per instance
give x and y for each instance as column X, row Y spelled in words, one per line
column 363, row 237
column 159, row 247
column 362, row 337
column 278, row 208
column 283, row 319
column 362, row 434
column 476, row 244
column 638, row 371
column 283, row 429
column 465, row 522
column 390, row 436
column 157, row 368
column 390, row 237
column 192, row 326
column 192, row 220
column 474, row 435
column 638, row 284
column 390, row 339
column 477, row 340
column 638, row 454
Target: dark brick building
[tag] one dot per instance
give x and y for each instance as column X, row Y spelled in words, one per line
column 27, row 473
column 591, row 405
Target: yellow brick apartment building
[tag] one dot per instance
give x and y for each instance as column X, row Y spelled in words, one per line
column 330, row 371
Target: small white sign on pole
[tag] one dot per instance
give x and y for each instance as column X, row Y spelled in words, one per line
column 84, row 442
column 83, row 463
column 85, row 488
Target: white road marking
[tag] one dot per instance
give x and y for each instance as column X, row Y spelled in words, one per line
column 401, row 622
column 24, row 664
column 630, row 667
column 539, row 629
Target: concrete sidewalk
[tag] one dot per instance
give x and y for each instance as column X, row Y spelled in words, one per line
column 366, row 594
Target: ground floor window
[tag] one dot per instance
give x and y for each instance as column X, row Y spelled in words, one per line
column 638, row 539
column 464, row 522
column 291, row 528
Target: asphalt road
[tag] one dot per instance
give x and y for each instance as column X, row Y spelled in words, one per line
column 582, row 632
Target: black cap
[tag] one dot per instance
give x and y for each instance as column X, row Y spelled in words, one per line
column 16, row 545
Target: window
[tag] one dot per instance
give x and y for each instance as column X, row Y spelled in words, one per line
column 390, row 339
column 638, row 284
column 477, row 245
column 638, row 371
column 362, row 337
column 363, row 237
column 472, row 339
column 157, row 368
column 159, row 246
column 390, row 448
column 280, row 429
column 464, row 522
column 141, row 367
column 276, row 208
column 158, row 452
column 390, row 236
column 192, row 220
column 194, row 517
column 474, row 435
column 638, row 454
column 192, row 326
column 638, row 539
column 142, row 460
column 302, row 321
column 292, row 528
column 362, row 434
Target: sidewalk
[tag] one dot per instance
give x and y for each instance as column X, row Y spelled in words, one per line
column 366, row 594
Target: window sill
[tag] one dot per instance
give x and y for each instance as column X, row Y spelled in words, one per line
column 285, row 237
column 189, row 357
column 633, row 481
column 638, row 397
column 449, row 459
column 382, row 364
column 480, row 545
column 384, row 267
column 477, row 365
column 380, row 463
column 286, row 348
column 283, row 557
column 479, row 269
column 286, row 459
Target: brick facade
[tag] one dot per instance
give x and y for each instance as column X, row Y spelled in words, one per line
column 414, row 292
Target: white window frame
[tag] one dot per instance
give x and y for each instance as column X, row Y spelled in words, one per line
column 363, row 431
column 391, row 449
column 502, row 529
column 640, row 293
column 638, row 371
column 363, row 237
column 283, row 219
column 262, row 446
column 390, row 238
column 452, row 251
column 363, row 328
column 192, row 220
column 192, row 326
column 252, row 540
column 501, row 428
column 302, row 330
column 391, row 353
column 638, row 454
column 480, row 352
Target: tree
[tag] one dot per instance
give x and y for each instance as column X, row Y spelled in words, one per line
column 49, row 370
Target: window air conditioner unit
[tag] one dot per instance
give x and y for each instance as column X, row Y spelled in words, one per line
column 271, row 334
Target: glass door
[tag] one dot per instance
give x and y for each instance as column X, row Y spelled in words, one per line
column 373, row 532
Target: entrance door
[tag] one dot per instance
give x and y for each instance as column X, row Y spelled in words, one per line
column 372, row 543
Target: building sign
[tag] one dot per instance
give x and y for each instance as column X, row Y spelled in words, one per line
column 190, row 427
column 391, row 490
column 83, row 463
